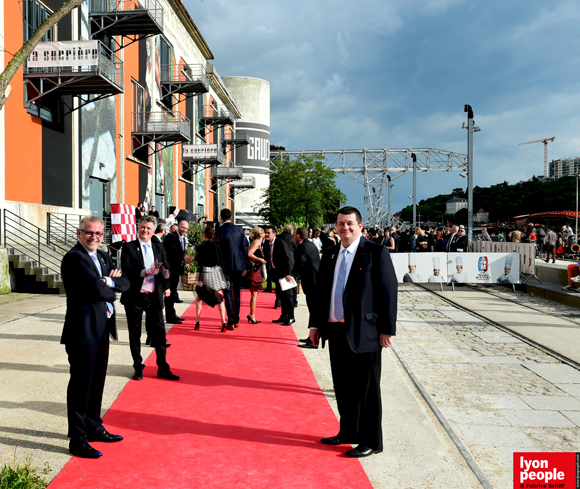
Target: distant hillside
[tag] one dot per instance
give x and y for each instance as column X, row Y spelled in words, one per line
column 502, row 201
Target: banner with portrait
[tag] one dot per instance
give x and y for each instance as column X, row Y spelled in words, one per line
column 482, row 268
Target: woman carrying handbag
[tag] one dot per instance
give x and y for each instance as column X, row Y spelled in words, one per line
column 212, row 277
column 254, row 270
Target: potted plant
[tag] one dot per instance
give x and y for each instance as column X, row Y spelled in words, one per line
column 190, row 276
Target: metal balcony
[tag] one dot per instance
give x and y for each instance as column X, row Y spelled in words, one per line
column 229, row 173
column 236, row 139
column 239, row 186
column 216, row 116
column 100, row 76
column 184, row 79
column 142, row 18
column 159, row 127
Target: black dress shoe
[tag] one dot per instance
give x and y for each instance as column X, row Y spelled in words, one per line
column 289, row 322
column 174, row 320
column 167, row 345
column 305, row 340
column 279, row 320
column 308, row 346
column 167, row 376
column 138, row 375
column 361, row 451
column 178, row 301
column 332, row 440
column 105, row 437
column 83, row 450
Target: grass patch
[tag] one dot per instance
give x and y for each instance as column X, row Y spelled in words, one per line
column 23, row 476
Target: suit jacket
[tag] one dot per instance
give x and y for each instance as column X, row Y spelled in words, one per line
column 283, row 261
column 306, row 265
column 132, row 264
column 233, row 246
column 175, row 253
column 459, row 243
column 450, row 240
column 86, row 297
column 370, row 297
column 290, row 243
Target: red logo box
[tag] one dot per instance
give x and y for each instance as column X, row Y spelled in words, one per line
column 537, row 470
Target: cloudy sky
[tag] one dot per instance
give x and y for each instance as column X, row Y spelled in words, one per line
column 397, row 73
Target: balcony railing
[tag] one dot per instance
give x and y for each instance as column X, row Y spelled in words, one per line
column 215, row 115
column 126, row 17
column 161, row 126
column 102, row 72
column 183, row 78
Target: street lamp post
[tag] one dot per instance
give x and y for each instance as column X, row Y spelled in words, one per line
column 576, row 225
column 471, row 128
column 414, row 157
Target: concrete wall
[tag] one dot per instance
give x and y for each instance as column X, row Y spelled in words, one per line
column 4, row 273
column 252, row 95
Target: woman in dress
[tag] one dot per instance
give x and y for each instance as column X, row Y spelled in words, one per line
column 255, row 279
column 389, row 241
column 208, row 258
column 316, row 241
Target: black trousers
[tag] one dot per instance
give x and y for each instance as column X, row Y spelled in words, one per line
column 232, row 296
column 84, row 395
column 155, row 328
column 286, row 298
column 357, row 385
column 170, row 301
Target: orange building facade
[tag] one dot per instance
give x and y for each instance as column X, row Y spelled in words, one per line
column 104, row 109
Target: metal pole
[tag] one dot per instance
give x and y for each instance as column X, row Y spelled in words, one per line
column 389, row 213
column 576, row 225
column 414, row 189
column 470, row 124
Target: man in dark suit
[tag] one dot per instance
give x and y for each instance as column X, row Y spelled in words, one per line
column 452, row 236
column 306, row 264
column 355, row 309
column 234, row 251
column 138, row 212
column 175, row 244
column 280, row 262
column 145, row 264
column 460, row 242
column 90, row 279
column 288, row 237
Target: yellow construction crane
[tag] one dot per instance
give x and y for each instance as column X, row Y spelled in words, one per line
column 545, row 141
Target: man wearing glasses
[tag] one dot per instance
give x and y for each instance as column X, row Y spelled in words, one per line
column 90, row 279
column 461, row 242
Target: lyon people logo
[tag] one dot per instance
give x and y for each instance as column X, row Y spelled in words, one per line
column 545, row 470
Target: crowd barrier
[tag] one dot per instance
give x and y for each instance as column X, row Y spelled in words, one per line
column 527, row 252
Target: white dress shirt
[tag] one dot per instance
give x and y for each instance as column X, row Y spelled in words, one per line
column 350, row 258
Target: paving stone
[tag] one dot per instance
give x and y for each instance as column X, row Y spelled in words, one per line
column 503, row 402
column 509, row 436
column 529, row 417
column 472, row 416
column 496, row 360
column 557, row 374
column 572, row 389
column 573, row 416
column 552, row 403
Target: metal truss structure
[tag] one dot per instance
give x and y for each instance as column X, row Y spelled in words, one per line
column 375, row 169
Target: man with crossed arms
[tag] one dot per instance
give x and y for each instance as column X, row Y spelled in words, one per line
column 355, row 310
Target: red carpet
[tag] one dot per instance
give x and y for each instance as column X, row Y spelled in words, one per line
column 246, row 413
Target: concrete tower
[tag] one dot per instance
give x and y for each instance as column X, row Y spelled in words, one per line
column 252, row 96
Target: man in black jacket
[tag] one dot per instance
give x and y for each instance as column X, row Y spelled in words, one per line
column 145, row 263
column 90, row 279
column 175, row 244
column 460, row 242
column 355, row 309
column 288, row 237
column 306, row 264
column 280, row 262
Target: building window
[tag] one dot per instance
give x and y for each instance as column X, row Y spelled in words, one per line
column 35, row 13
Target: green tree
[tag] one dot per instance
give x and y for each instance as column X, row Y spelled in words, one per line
column 301, row 191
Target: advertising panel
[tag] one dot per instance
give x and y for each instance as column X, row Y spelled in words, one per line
column 482, row 268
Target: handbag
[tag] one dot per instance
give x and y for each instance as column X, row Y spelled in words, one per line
column 210, row 297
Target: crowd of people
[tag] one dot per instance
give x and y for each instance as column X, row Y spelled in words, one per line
column 350, row 307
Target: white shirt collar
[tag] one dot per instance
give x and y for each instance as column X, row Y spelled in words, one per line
column 352, row 248
column 142, row 243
